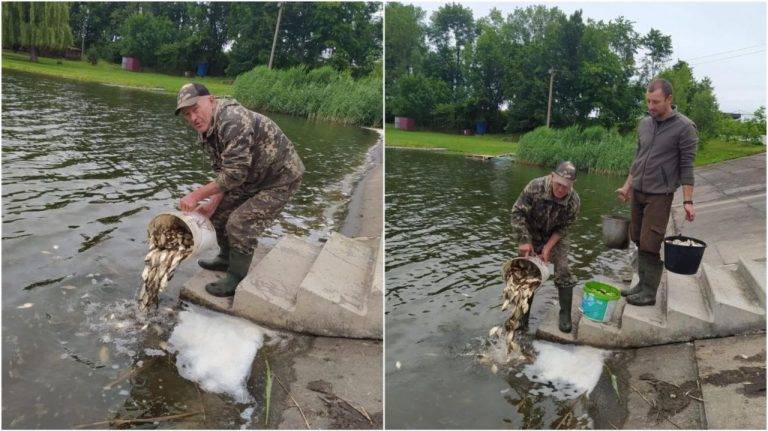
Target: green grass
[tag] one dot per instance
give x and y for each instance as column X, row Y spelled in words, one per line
column 487, row 145
column 718, row 150
column 108, row 73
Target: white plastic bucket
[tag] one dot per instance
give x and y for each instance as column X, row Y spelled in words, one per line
column 203, row 233
column 539, row 264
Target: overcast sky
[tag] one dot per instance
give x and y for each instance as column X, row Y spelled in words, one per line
column 722, row 40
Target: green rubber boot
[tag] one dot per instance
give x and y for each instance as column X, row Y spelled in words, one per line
column 650, row 282
column 238, row 268
column 565, row 298
column 218, row 263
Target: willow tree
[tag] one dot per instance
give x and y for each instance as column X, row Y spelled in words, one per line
column 36, row 26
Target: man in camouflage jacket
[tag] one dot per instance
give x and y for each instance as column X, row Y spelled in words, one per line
column 257, row 172
column 541, row 217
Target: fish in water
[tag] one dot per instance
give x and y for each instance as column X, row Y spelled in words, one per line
column 168, row 247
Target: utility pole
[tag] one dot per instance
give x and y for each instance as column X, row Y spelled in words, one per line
column 549, row 103
column 277, row 29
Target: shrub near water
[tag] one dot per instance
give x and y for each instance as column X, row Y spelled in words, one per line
column 323, row 94
column 594, row 148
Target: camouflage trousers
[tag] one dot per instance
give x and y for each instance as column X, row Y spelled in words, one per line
column 241, row 217
column 559, row 258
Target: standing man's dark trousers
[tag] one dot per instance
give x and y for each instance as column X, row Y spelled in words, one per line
column 564, row 282
column 239, row 220
column 650, row 215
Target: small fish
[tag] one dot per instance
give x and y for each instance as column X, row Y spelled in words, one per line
column 398, row 365
column 494, row 369
column 27, row 305
column 104, row 354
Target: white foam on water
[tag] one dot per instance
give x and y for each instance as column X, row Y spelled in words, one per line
column 567, row 370
column 216, row 350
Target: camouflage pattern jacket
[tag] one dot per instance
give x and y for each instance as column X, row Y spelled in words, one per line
column 247, row 150
column 537, row 213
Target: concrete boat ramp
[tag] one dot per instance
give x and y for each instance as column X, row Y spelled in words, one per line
column 331, row 289
column 726, row 297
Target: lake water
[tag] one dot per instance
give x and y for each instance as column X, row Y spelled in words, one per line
column 84, row 169
column 447, row 233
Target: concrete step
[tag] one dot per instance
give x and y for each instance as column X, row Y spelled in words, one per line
column 689, row 315
column 753, row 271
column 267, row 295
column 375, row 301
column 646, row 321
column 194, row 288
column 735, row 306
column 335, row 291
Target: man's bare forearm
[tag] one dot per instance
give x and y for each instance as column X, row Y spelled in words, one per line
column 687, row 192
column 553, row 240
column 211, row 189
column 628, row 182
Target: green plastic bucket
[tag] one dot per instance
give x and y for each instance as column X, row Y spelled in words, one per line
column 599, row 300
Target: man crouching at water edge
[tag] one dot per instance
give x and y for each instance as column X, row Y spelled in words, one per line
column 666, row 148
column 257, row 171
column 541, row 217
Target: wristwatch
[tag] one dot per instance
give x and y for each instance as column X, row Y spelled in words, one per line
column 687, row 202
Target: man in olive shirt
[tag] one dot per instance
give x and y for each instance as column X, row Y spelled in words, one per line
column 257, row 172
column 666, row 148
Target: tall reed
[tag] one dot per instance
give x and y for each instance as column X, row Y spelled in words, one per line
column 594, row 149
column 323, row 94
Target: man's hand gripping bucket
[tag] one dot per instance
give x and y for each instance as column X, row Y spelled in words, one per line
column 533, row 262
column 203, row 233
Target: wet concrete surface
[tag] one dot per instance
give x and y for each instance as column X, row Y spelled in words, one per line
column 732, row 374
column 338, row 385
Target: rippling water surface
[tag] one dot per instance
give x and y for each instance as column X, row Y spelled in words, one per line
column 447, row 233
column 84, row 168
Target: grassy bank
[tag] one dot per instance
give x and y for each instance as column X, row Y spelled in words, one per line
column 488, row 145
column 323, row 94
column 718, row 150
column 108, row 73
column 600, row 150
column 593, row 149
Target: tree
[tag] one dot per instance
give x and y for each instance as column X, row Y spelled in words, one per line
column 344, row 35
column 405, row 44
column 416, row 96
column 489, row 64
column 143, row 34
column 658, row 48
column 36, row 26
column 452, row 30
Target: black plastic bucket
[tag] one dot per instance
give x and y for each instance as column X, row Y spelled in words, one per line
column 683, row 259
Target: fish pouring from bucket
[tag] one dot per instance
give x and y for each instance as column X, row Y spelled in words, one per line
column 168, row 247
column 520, row 285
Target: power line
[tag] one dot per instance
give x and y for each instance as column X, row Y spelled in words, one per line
column 727, row 58
column 725, row 52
